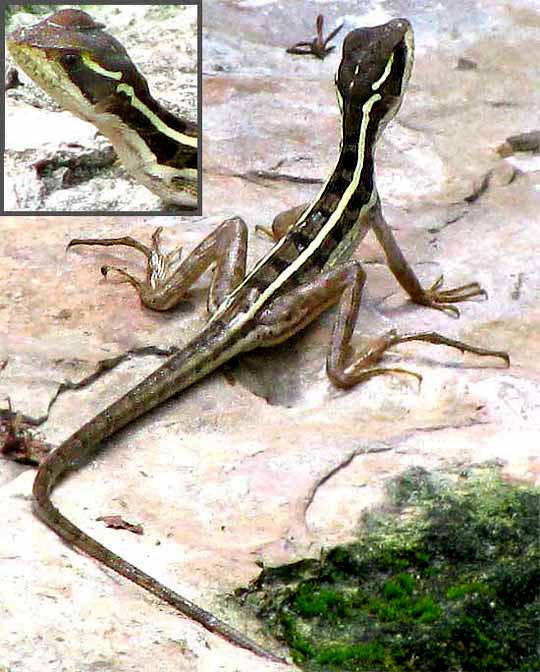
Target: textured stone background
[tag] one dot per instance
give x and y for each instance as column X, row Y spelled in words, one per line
column 37, row 129
column 222, row 478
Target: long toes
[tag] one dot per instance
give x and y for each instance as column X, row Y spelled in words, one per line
column 445, row 308
column 438, row 283
column 461, row 293
column 156, row 238
column 125, row 276
column 452, row 297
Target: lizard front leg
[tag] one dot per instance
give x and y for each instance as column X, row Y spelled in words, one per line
column 292, row 311
column 168, row 278
column 283, row 222
column 434, row 296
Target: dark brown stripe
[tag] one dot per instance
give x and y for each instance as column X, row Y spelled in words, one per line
column 300, row 240
column 101, row 92
column 278, row 263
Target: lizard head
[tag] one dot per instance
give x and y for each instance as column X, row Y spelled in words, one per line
column 373, row 73
column 74, row 60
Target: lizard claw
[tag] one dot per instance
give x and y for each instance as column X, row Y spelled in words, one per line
column 441, row 299
column 125, row 276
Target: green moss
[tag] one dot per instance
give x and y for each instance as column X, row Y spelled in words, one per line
column 300, row 645
column 459, row 591
column 313, row 602
column 372, row 653
column 401, row 602
column 445, row 578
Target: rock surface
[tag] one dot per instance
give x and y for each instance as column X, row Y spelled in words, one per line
column 221, row 478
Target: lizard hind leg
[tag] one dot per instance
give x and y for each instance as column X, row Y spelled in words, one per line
column 169, row 277
column 345, row 373
column 343, row 285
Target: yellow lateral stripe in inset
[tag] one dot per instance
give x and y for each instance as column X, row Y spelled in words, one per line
column 154, row 119
column 97, row 67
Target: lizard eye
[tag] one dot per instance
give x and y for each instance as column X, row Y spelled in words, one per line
column 70, row 59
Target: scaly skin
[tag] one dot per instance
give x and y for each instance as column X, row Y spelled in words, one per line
column 306, row 272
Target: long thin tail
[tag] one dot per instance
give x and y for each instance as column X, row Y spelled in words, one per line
column 190, row 366
column 50, row 515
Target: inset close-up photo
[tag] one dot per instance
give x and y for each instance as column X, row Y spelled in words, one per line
column 101, row 109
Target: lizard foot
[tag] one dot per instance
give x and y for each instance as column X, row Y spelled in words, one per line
column 441, row 299
column 363, row 365
column 154, row 290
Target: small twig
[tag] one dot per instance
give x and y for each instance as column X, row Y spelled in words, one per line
column 17, row 443
column 318, row 46
column 118, row 523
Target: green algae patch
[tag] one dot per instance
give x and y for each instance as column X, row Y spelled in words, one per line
column 445, row 577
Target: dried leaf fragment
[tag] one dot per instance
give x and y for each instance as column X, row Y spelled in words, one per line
column 118, row 523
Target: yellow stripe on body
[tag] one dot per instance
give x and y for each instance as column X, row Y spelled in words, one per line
column 227, row 301
column 376, row 85
column 316, row 242
column 154, row 119
column 332, row 220
column 97, row 67
column 334, row 217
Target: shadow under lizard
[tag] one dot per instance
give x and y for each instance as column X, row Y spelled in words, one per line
column 305, row 272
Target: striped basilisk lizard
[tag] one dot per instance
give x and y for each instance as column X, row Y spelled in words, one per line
column 305, row 272
column 88, row 72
